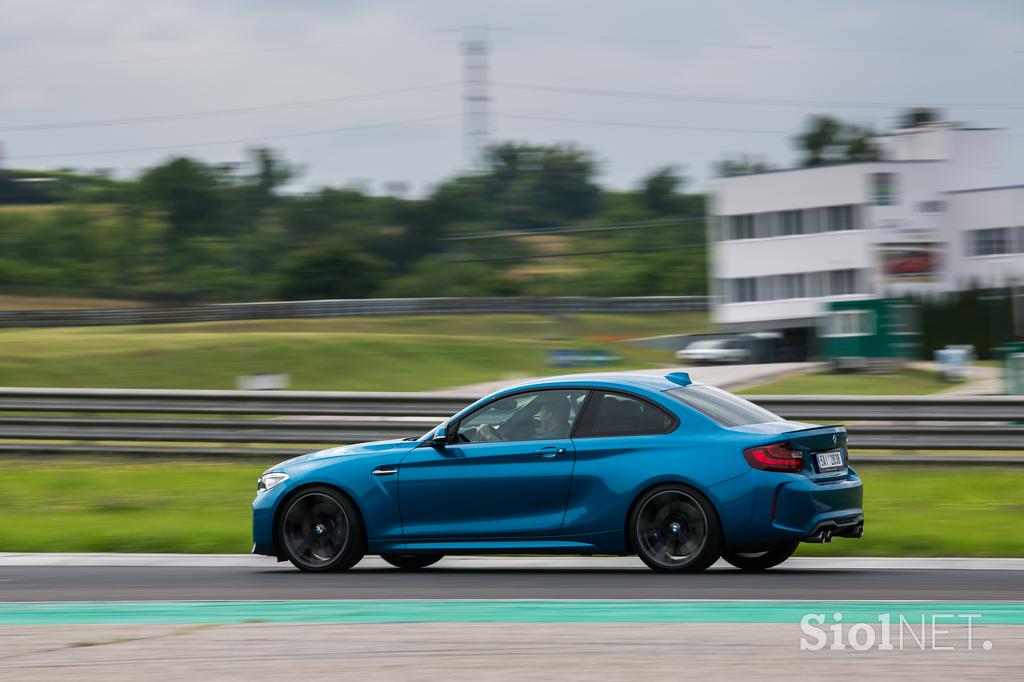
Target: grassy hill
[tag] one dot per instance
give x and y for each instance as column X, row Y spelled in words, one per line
column 407, row 353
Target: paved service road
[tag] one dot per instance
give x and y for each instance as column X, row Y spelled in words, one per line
column 245, row 578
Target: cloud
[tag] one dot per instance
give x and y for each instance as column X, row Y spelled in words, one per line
column 105, row 59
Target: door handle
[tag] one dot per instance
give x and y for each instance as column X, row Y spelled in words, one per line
column 549, row 452
column 385, row 471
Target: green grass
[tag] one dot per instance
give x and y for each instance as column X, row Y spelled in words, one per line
column 95, row 506
column 118, row 506
column 907, row 382
column 358, row 353
column 937, row 511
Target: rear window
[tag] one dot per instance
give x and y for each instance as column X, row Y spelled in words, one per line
column 616, row 414
column 723, row 407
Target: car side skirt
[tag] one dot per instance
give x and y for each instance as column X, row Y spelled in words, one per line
column 610, row 542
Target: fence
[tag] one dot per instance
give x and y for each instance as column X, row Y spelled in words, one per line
column 273, row 310
column 281, row 423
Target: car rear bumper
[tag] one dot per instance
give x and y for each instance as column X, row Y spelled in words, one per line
column 804, row 505
column 841, row 527
column 761, row 508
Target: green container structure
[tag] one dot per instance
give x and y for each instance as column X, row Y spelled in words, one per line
column 1012, row 357
column 879, row 334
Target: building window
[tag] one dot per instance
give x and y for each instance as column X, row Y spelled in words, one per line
column 811, row 220
column 842, row 282
column 849, row 323
column 990, row 242
column 745, row 289
column 765, row 225
column 839, row 219
column 742, row 226
column 883, row 189
column 791, row 222
column 791, row 286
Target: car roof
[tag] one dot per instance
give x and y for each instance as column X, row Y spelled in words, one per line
column 637, row 380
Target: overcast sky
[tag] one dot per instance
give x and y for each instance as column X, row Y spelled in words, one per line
column 85, row 62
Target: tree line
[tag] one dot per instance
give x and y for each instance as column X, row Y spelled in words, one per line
column 186, row 230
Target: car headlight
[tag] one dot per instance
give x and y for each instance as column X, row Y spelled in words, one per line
column 269, row 480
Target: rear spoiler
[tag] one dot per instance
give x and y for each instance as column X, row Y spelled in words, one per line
column 814, row 428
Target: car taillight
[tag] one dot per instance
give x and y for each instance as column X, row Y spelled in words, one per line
column 774, row 457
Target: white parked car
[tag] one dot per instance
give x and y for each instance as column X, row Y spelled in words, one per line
column 714, row 352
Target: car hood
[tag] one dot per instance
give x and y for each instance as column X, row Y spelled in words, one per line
column 395, row 444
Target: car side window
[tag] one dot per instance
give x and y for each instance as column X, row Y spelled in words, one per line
column 617, row 414
column 537, row 415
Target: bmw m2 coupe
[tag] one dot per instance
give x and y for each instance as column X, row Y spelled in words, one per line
column 676, row 472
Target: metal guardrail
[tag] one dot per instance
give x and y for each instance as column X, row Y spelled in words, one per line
column 274, row 424
column 894, row 408
column 271, row 310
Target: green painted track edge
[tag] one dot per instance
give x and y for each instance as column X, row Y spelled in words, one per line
column 495, row 611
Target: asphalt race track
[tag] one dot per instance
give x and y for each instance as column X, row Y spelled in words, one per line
column 149, row 577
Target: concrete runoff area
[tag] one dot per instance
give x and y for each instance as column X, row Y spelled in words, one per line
column 491, row 651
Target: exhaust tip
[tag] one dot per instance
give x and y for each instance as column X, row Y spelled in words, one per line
column 826, row 536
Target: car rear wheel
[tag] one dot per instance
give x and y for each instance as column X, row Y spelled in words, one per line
column 674, row 528
column 759, row 561
column 320, row 530
column 411, row 562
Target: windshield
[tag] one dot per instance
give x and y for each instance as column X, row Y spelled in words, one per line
column 725, row 408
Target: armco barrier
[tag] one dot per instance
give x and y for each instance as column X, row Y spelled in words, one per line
column 270, row 424
column 223, row 312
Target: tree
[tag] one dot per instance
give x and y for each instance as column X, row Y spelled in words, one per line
column 187, row 192
column 331, row 270
column 740, row 165
column 270, row 173
column 660, row 190
column 826, row 139
column 534, row 186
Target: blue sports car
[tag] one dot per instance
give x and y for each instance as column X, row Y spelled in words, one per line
column 677, row 472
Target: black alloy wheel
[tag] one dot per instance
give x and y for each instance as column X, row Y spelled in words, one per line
column 674, row 528
column 319, row 530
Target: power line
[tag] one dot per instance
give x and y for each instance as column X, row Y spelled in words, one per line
column 243, row 140
column 213, row 113
column 656, row 126
column 746, row 101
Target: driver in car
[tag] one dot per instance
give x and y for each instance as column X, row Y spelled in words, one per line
column 550, row 421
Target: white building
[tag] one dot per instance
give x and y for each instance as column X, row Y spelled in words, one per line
column 931, row 217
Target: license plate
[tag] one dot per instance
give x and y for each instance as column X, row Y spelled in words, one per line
column 830, row 461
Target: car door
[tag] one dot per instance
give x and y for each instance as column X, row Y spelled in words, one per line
column 620, row 439
column 505, row 473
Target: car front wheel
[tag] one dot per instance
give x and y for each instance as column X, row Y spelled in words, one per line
column 320, row 530
column 674, row 528
column 759, row 561
column 411, row 562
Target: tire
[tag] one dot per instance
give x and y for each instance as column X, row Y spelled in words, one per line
column 675, row 529
column 320, row 530
column 760, row 561
column 411, row 562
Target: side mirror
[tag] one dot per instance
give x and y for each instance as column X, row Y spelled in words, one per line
column 440, row 437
